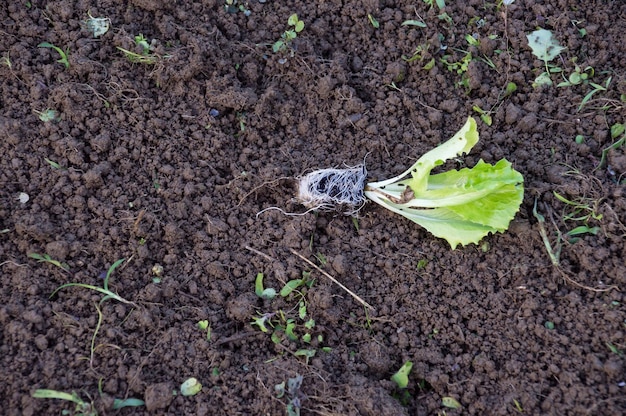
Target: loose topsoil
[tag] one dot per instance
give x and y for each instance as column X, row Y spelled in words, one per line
column 166, row 162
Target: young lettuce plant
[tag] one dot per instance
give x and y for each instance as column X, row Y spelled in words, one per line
column 460, row 206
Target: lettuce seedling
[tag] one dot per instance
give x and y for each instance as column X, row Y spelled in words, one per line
column 460, row 206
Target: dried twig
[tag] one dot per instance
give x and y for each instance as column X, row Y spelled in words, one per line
column 354, row 295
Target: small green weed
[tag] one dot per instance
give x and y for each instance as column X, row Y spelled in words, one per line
column 577, row 77
column 581, row 76
column 45, row 258
column 260, row 291
column 554, row 254
column 6, row 60
column 62, row 53
column 146, row 54
column 441, row 4
column 292, row 392
column 401, row 377
column 108, row 294
column 295, row 26
column 460, row 67
column 119, row 403
column 485, row 115
column 204, row 325
column 82, row 408
column 614, row 349
column 545, row 47
column 420, row 54
column 234, row 6
column 580, row 209
column 48, row 115
column 294, row 324
column 373, row 21
column 54, row 164
column 617, row 129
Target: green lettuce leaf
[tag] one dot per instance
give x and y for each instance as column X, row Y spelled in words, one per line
column 460, row 206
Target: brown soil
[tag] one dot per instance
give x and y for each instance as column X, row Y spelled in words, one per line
column 169, row 163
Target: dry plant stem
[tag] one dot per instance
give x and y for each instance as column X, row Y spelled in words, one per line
column 354, row 295
column 260, row 187
column 554, row 257
column 255, row 251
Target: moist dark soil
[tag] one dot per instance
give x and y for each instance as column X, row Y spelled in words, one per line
column 166, row 163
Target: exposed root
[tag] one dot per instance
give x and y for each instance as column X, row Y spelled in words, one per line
column 330, row 189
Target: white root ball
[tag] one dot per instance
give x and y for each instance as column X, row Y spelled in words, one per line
column 334, row 189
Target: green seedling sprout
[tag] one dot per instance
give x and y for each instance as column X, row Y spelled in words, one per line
column 231, row 6
column 82, row 407
column 461, row 67
column 268, row 293
column 108, row 294
column 262, row 320
column 204, row 325
column 289, row 328
column 6, row 60
column 119, row 403
column 545, row 47
column 48, row 115
column 596, row 88
column 581, row 76
column 54, row 164
column 62, row 53
column 577, row 77
column 401, row 377
column 419, row 54
column 289, row 35
column 581, row 206
column 605, row 152
column 306, row 353
column 146, row 56
column 292, row 392
column 45, row 258
column 92, row 348
column 614, row 349
column 373, row 21
column 485, row 116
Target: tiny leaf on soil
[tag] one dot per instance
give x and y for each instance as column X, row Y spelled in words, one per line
column 450, row 402
column 401, row 377
column 290, row 286
column 190, row 387
column 544, row 45
column 119, row 404
column 413, row 23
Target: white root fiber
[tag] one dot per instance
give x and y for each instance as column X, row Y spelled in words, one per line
column 334, row 189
